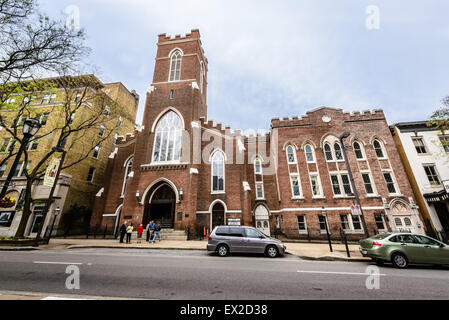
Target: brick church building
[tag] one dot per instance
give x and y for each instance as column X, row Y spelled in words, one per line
column 188, row 172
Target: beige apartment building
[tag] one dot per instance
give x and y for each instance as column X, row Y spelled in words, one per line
column 114, row 107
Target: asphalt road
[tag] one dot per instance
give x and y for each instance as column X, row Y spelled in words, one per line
column 198, row 275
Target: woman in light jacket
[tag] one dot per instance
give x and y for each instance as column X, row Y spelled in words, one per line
column 129, row 233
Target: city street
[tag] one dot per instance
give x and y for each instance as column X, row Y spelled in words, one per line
column 169, row 274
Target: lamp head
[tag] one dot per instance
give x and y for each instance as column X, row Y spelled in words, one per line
column 344, row 135
column 31, row 127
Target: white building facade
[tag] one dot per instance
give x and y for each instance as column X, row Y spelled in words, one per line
column 425, row 153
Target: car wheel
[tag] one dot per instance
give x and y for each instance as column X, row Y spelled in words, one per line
column 399, row 260
column 272, row 251
column 222, row 250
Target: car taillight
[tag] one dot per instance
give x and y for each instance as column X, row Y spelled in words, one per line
column 209, row 238
column 377, row 244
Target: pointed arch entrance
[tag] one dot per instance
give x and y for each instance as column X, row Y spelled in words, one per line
column 218, row 215
column 160, row 205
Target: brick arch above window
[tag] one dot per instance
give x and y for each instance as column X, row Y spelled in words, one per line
column 162, row 114
column 358, row 139
column 306, row 142
column 290, row 143
column 376, row 137
column 330, row 138
column 174, row 50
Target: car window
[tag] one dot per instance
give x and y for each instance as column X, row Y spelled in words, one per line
column 251, row 233
column 403, row 238
column 222, row 231
column 382, row 236
column 236, row 232
column 426, row 241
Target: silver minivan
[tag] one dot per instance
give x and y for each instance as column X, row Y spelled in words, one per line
column 233, row 239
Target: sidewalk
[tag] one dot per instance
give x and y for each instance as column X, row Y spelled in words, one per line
column 306, row 251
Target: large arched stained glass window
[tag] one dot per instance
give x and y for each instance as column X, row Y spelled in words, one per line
column 167, row 143
column 175, row 66
column 128, row 169
column 218, row 172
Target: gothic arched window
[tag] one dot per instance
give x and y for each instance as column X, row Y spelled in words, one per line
column 338, row 152
column 358, row 150
column 128, row 169
column 378, row 149
column 328, row 152
column 167, row 143
column 202, row 77
column 257, row 166
column 309, row 153
column 291, row 157
column 218, row 172
column 175, row 66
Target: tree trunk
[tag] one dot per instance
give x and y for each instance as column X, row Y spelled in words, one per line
column 26, row 210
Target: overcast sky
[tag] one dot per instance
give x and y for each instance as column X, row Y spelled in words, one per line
column 281, row 58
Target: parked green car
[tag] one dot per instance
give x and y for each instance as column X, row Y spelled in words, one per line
column 402, row 249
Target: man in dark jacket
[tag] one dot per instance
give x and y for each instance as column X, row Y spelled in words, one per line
column 123, row 231
column 157, row 231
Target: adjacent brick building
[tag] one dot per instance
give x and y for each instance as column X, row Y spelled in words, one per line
column 80, row 183
column 191, row 173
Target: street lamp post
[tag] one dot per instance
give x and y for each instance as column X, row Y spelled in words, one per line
column 50, row 197
column 30, row 128
column 323, row 213
column 345, row 135
column 57, row 211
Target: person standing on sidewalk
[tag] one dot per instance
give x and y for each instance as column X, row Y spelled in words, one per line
column 139, row 233
column 123, row 232
column 129, row 233
column 157, row 231
column 150, row 230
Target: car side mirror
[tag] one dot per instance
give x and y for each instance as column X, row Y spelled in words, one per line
column 261, row 237
column 442, row 245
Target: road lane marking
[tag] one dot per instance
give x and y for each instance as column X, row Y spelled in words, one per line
column 342, row 273
column 63, row 263
column 61, row 298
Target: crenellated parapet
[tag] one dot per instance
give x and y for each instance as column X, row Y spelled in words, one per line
column 327, row 115
column 125, row 140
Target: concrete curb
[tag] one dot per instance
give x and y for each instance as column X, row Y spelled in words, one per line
column 133, row 248
column 18, row 249
column 329, row 258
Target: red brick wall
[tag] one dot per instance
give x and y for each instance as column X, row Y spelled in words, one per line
column 197, row 198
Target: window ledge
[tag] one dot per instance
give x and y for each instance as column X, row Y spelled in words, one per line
column 373, row 196
column 218, row 192
column 298, row 198
column 319, row 198
column 396, row 195
column 343, row 197
column 353, row 232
